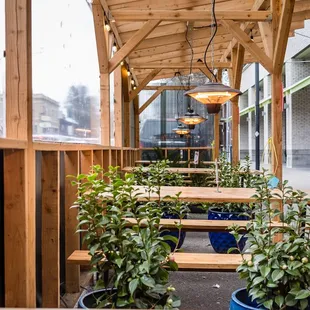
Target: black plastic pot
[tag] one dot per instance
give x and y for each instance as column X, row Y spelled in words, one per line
column 88, row 301
column 223, row 241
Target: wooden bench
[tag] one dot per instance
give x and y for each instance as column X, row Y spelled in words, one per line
column 201, row 225
column 185, row 261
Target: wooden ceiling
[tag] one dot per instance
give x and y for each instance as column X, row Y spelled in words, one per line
column 164, row 45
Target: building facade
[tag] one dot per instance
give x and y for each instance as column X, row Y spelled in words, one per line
column 296, row 107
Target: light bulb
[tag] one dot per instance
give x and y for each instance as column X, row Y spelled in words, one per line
column 128, row 73
column 122, row 63
column 132, row 82
column 114, row 48
column 134, row 87
column 107, row 27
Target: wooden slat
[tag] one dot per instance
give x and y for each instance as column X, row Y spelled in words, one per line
column 186, row 15
column 98, row 157
column 15, row 229
column 141, row 86
column 72, row 242
column 13, row 144
column 150, row 100
column 185, row 261
column 248, row 44
column 50, row 230
column 86, row 161
column 132, row 44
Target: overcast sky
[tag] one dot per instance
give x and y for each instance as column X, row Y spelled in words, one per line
column 64, row 47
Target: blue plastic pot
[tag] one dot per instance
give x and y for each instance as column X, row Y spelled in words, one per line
column 88, row 300
column 223, row 241
column 173, row 233
column 241, row 301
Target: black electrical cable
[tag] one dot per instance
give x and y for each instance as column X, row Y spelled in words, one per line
column 211, row 39
column 192, row 55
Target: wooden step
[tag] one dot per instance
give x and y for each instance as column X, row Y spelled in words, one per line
column 201, row 225
column 185, row 261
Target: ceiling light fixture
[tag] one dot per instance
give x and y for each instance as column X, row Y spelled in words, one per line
column 213, row 94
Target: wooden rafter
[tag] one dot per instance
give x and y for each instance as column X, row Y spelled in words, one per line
column 164, row 65
column 130, row 45
column 266, row 34
column 246, row 27
column 168, row 87
column 248, row 44
column 150, row 100
column 148, row 79
column 186, row 15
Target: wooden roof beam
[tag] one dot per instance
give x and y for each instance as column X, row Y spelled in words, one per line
column 248, row 44
column 186, row 15
column 246, row 27
column 148, row 79
column 168, row 87
column 102, row 44
column 179, row 65
column 132, row 43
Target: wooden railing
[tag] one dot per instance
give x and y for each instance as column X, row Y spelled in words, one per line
column 53, row 224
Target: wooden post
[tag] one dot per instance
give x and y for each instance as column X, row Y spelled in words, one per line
column 281, row 21
column 19, row 165
column 137, row 122
column 118, row 107
column 103, row 59
column 72, row 239
column 216, row 135
column 235, row 77
column 50, row 230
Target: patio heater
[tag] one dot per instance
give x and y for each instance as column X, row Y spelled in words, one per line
column 213, row 93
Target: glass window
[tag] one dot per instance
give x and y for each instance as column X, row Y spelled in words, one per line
column 66, row 85
column 2, row 69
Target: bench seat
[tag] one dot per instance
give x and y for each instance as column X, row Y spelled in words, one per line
column 185, row 261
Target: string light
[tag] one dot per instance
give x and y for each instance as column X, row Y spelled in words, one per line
column 135, row 87
column 132, row 82
column 107, row 27
column 122, row 63
column 128, row 73
column 114, row 48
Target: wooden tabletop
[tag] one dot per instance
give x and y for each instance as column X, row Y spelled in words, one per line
column 176, row 170
column 204, row 194
column 147, row 162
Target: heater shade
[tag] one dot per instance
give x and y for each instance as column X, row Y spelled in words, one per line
column 191, row 118
column 213, row 93
column 181, row 130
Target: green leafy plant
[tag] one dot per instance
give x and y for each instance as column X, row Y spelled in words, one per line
column 277, row 271
column 136, row 256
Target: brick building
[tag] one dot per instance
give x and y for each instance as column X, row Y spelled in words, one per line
column 296, row 107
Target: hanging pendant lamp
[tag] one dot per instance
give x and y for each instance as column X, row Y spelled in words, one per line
column 213, row 94
column 181, row 130
column 191, row 118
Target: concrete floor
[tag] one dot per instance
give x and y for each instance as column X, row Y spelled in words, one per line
column 203, row 290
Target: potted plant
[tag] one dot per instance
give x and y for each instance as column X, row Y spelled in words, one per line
column 276, row 265
column 130, row 261
column 235, row 176
column 156, row 176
